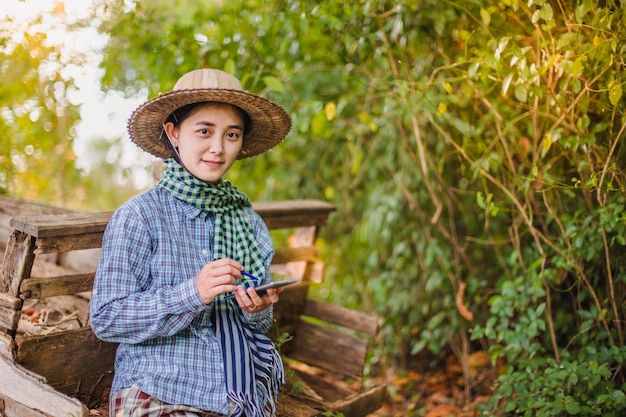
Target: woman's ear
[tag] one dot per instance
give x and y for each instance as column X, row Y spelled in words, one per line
column 172, row 133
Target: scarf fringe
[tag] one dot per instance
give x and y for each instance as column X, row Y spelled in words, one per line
column 267, row 386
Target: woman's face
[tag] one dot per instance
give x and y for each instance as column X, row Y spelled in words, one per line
column 208, row 140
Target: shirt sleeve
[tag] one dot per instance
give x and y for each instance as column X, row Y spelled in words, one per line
column 124, row 309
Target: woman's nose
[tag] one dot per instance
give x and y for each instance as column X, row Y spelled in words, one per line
column 216, row 146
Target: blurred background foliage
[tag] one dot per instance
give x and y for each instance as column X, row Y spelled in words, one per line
column 474, row 149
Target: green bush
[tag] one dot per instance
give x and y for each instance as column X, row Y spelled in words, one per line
column 475, row 152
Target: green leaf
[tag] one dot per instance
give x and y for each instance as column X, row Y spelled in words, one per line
column 506, row 83
column 615, row 93
column 480, row 200
column 602, row 398
column 521, row 93
column 577, row 66
column 274, row 84
column 485, row 16
column 546, row 12
column 571, row 405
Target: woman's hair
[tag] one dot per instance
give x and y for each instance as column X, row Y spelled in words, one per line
column 181, row 114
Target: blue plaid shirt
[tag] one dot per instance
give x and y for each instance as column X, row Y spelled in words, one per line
column 145, row 299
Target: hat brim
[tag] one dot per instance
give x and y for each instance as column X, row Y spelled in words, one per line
column 270, row 122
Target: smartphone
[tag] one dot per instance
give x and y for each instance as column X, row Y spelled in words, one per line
column 261, row 289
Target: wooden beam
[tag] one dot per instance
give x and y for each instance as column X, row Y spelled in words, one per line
column 330, row 349
column 10, row 301
column 278, row 214
column 363, row 403
column 23, row 387
column 17, row 263
column 294, row 213
column 285, row 255
column 59, row 285
column 9, row 318
column 10, row 311
column 75, row 362
column 7, row 347
column 68, row 243
column 62, row 224
column 342, row 316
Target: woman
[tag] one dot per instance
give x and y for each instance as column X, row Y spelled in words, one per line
column 175, row 283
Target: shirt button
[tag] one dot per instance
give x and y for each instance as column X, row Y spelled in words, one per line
column 204, row 252
column 205, row 331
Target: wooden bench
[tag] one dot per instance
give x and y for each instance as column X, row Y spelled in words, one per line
column 68, row 372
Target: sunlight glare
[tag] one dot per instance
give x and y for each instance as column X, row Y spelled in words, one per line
column 103, row 115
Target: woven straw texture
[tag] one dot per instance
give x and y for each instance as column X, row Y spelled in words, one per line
column 270, row 122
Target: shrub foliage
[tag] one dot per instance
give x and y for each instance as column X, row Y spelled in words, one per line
column 475, row 151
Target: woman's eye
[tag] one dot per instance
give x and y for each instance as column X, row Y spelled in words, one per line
column 233, row 135
column 203, row 131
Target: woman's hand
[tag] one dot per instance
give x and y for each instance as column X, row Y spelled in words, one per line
column 217, row 277
column 250, row 301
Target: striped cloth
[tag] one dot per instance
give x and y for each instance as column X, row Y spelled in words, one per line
column 252, row 364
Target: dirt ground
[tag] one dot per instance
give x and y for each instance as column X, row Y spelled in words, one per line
column 439, row 391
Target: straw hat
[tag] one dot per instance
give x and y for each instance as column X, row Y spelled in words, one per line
column 270, row 123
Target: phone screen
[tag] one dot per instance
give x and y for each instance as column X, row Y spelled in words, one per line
column 261, row 289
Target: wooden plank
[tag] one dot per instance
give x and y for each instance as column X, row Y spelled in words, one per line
column 319, row 393
column 62, row 224
column 286, row 255
column 342, row 316
column 294, row 213
column 11, row 408
column 10, row 311
column 9, row 301
column 302, row 237
column 59, row 244
column 285, row 214
column 22, row 387
column 316, row 386
column 363, row 403
column 9, row 318
column 314, row 272
column 290, row 406
column 330, row 349
column 7, row 346
column 74, row 362
column 291, row 303
column 17, row 263
column 61, row 285
column 62, row 356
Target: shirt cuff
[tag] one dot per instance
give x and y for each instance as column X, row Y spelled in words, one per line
column 261, row 320
column 188, row 298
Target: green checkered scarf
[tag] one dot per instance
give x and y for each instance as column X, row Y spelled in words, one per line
column 253, row 367
column 234, row 237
